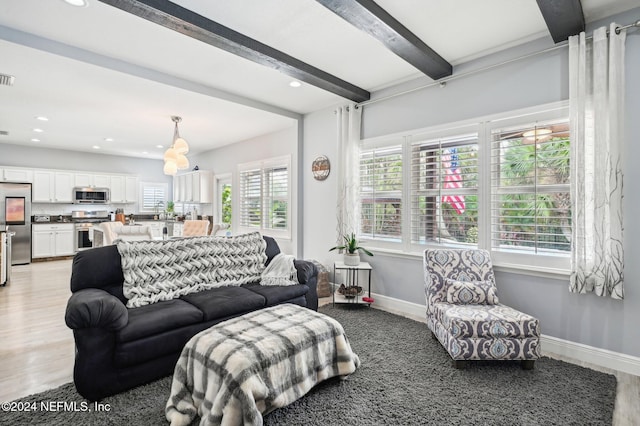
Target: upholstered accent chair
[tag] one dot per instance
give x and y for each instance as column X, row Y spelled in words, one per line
column 115, row 230
column 464, row 313
column 195, row 228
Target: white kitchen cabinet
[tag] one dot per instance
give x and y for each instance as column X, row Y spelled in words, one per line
column 52, row 186
column 117, row 189
column 131, row 189
column 51, row 240
column 41, row 191
column 63, row 187
column 90, row 180
column 101, row 181
column 82, row 180
column 124, row 189
column 193, row 187
column 16, row 175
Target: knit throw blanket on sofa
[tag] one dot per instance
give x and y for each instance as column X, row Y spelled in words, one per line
column 164, row 270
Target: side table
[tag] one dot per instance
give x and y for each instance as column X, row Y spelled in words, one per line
column 351, row 293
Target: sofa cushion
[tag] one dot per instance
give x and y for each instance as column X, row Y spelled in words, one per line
column 225, row 301
column 160, row 317
column 471, row 292
column 148, row 348
column 462, row 321
column 277, row 294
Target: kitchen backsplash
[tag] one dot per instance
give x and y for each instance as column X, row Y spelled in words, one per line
column 66, row 209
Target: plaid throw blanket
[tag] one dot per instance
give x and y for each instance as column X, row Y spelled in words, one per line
column 242, row 368
column 164, row 270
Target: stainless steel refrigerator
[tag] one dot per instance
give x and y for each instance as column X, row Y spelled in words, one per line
column 15, row 216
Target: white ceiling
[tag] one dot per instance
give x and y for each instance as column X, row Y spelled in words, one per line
column 98, row 72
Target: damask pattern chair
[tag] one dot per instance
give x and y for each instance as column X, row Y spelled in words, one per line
column 464, row 313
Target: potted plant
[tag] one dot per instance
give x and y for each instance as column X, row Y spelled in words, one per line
column 351, row 248
column 169, row 210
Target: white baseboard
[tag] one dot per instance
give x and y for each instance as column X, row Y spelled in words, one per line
column 551, row 346
column 601, row 357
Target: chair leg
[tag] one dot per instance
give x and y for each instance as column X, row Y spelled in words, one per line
column 527, row 364
column 460, row 364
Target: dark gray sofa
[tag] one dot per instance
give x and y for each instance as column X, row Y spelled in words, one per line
column 118, row 348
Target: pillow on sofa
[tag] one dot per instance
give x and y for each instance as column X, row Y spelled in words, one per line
column 163, row 270
column 471, row 292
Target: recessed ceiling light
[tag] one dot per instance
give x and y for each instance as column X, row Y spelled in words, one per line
column 145, row 152
column 295, row 83
column 159, row 146
column 96, row 147
column 35, row 140
column 42, row 118
column 77, row 3
column 38, row 130
column 108, row 139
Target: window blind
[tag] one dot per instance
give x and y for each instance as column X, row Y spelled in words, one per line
column 276, row 197
column 530, row 195
column 264, row 195
column 444, row 190
column 153, row 197
column 250, row 214
column 381, row 193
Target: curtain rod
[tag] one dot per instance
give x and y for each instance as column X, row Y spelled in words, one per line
column 443, row 82
column 624, row 27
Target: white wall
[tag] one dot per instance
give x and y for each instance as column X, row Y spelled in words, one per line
column 44, row 158
column 225, row 160
column 587, row 319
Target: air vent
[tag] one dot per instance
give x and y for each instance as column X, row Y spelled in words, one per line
column 6, row 80
column 4, row 133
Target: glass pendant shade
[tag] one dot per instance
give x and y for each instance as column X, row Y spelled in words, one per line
column 170, row 168
column 182, row 162
column 170, row 154
column 181, row 146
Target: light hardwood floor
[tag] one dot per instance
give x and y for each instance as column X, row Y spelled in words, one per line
column 37, row 351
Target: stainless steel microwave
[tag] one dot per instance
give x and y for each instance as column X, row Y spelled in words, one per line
column 90, row 195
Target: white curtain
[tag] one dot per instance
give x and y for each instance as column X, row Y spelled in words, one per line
column 348, row 120
column 596, row 98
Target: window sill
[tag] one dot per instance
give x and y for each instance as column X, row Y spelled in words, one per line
column 552, row 273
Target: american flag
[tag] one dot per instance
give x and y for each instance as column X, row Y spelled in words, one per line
column 452, row 179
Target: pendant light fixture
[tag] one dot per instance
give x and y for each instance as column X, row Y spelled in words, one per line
column 175, row 157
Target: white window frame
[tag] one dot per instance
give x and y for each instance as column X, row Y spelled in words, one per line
column 515, row 259
column 262, row 166
column 539, row 264
column 222, row 180
column 162, row 185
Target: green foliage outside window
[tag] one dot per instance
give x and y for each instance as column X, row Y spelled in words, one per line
column 226, row 204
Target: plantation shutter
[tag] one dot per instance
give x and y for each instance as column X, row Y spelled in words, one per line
column 250, row 198
column 381, row 193
column 530, row 195
column 276, row 197
column 153, row 197
column 444, row 188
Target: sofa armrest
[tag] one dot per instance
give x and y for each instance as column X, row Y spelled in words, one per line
column 306, row 271
column 93, row 307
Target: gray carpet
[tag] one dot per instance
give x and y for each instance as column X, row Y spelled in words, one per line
column 406, row 378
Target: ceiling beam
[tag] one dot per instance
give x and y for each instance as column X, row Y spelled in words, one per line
column 367, row 16
column 564, row 18
column 184, row 21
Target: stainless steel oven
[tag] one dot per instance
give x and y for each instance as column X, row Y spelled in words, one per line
column 83, row 233
column 84, row 222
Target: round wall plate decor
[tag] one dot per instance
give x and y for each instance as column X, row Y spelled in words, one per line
column 321, row 168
